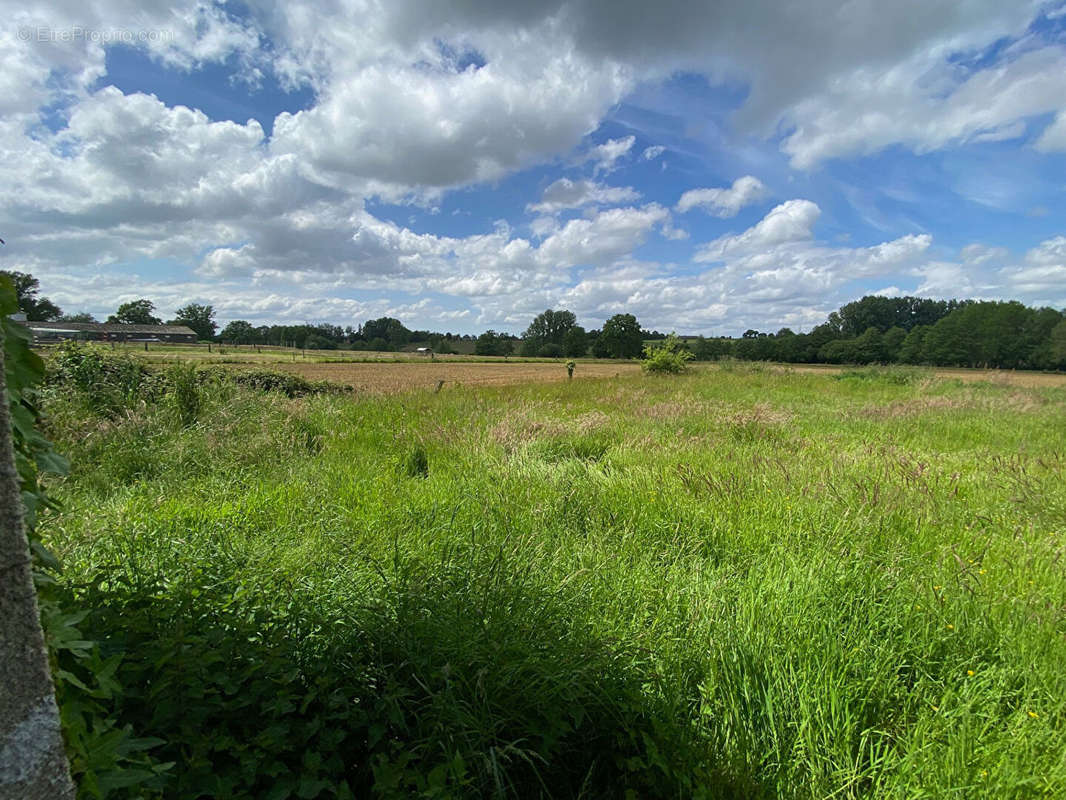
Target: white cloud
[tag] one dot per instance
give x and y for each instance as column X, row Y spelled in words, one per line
column 791, row 221
column 1053, row 139
column 724, row 202
column 605, row 156
column 653, row 152
column 565, row 193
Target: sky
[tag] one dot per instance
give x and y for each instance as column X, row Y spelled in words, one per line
column 465, row 164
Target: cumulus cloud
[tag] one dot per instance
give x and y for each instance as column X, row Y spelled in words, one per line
column 565, row 193
column 412, row 101
column 605, row 156
column 724, row 202
column 791, row 221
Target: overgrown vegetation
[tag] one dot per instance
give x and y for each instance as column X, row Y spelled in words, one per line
column 744, row 584
column 669, row 356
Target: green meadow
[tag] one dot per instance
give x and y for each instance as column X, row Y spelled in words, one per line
column 739, row 582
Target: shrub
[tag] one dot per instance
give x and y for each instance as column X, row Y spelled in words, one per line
column 669, row 357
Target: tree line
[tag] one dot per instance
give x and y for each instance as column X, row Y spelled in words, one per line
column 872, row 330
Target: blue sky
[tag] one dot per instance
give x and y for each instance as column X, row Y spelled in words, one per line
column 464, row 166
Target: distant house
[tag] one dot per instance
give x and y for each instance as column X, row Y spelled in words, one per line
column 108, row 332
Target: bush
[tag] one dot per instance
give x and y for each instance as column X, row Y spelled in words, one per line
column 268, row 381
column 105, row 382
column 669, row 357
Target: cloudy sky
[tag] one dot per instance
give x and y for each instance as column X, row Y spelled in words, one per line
column 465, row 164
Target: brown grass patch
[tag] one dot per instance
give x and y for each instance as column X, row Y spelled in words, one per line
column 393, row 378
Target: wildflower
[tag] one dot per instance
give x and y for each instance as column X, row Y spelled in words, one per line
column 937, row 588
column 1033, row 714
column 951, row 627
column 969, row 672
column 982, row 572
column 984, row 773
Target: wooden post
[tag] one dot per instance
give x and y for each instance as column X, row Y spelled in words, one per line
column 33, row 764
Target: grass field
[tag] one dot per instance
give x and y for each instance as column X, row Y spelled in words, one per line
column 746, row 582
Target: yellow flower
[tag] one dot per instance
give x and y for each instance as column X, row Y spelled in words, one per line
column 984, row 773
column 937, row 588
column 1033, row 714
column 982, row 572
column 951, row 627
column 969, row 672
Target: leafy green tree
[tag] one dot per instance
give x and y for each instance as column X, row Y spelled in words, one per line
column 27, row 289
column 198, row 317
column 575, row 342
column 621, row 337
column 912, row 350
column 548, row 327
column 81, row 316
column 239, row 332
column 491, row 343
column 891, row 343
column 136, row 312
column 388, row 328
column 868, row 347
column 1057, row 346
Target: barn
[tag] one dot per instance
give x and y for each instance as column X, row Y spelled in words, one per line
column 44, row 332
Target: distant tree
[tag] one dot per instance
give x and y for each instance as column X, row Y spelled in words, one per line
column 575, row 342
column 621, row 337
column 136, row 312
column 912, row 349
column 81, row 316
column 891, row 343
column 27, row 288
column 378, row 344
column 868, row 347
column 548, row 327
column 198, row 317
column 491, row 343
column 1057, row 346
column 239, row 332
column 388, row 328
column 316, row 341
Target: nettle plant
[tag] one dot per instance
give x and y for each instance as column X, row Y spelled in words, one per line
column 669, row 357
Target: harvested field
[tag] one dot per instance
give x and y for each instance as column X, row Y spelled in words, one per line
column 390, row 378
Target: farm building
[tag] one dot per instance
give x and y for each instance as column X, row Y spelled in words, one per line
column 108, row 332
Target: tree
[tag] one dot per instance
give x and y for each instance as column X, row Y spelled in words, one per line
column 388, row 328
column 239, row 332
column 548, row 327
column 491, row 343
column 891, row 343
column 1057, row 349
column 136, row 312
column 912, row 350
column 621, row 337
column 33, row 763
column 200, row 318
column 36, row 309
column 575, row 342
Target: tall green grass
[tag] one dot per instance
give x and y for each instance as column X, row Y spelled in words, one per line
column 735, row 583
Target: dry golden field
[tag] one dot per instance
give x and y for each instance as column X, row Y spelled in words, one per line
column 389, row 378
